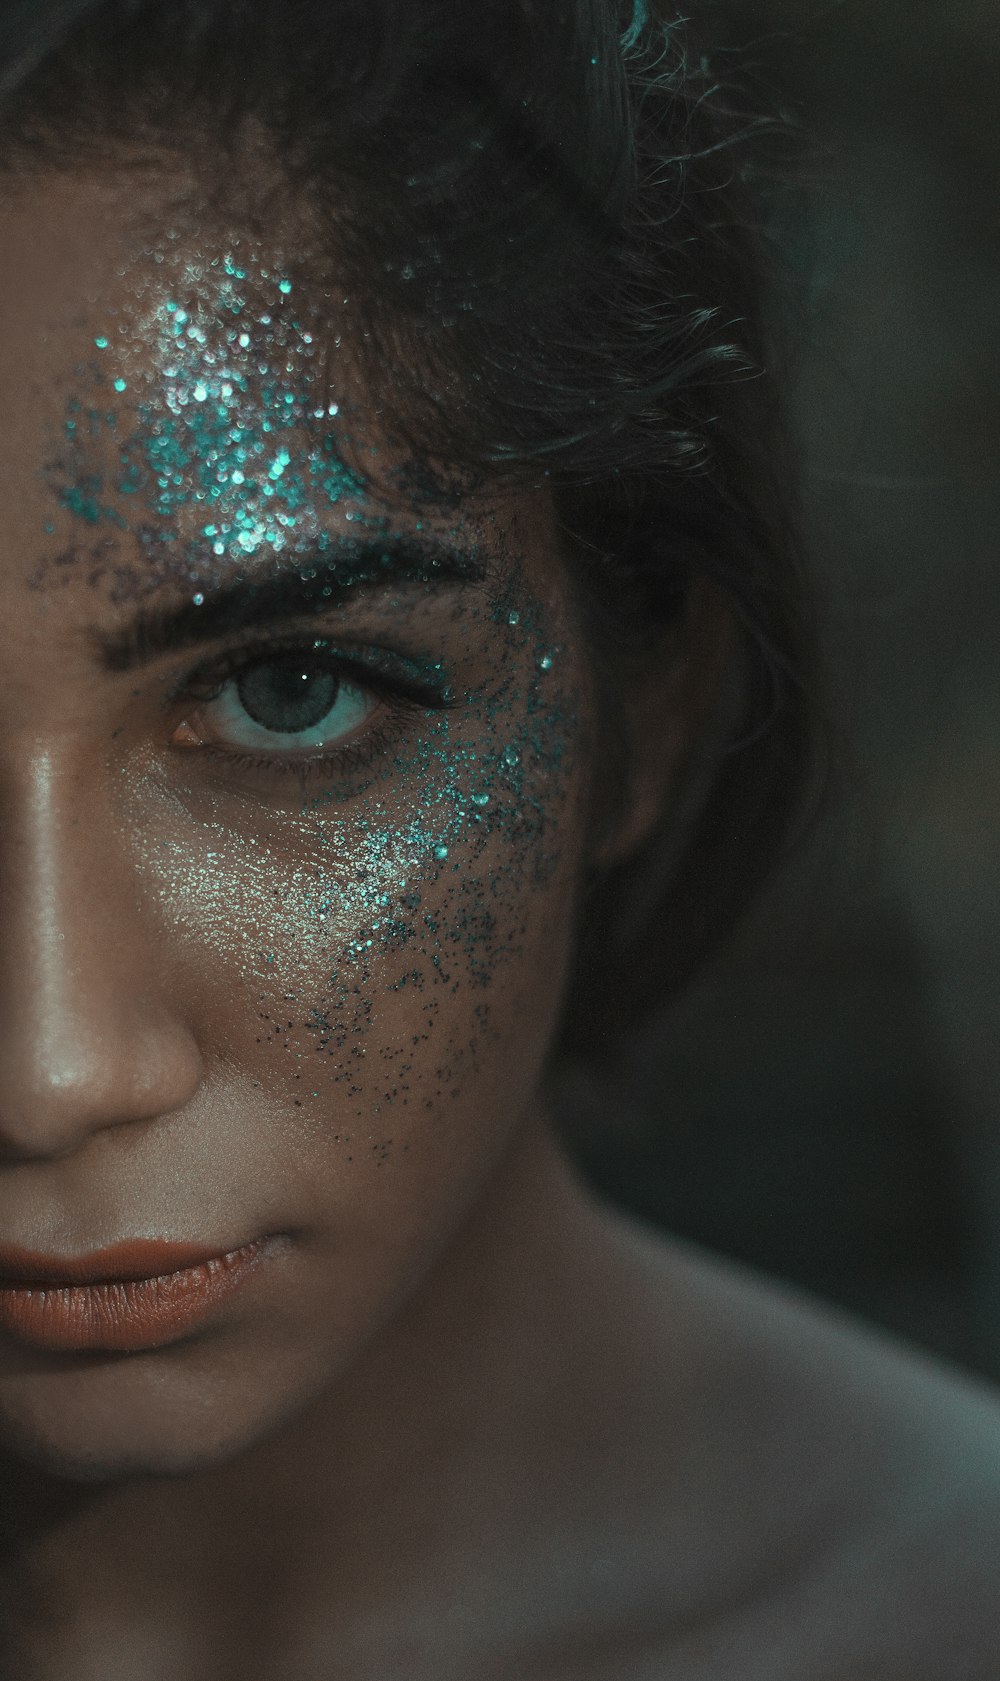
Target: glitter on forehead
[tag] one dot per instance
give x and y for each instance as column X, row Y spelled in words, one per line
column 231, row 427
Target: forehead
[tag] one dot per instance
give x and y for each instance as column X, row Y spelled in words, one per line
column 178, row 399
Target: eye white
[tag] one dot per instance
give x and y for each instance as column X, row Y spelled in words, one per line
column 232, row 723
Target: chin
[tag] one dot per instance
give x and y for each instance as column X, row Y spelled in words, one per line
column 73, row 1457
column 115, row 1418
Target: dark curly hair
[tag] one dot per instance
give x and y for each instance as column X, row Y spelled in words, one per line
column 554, row 205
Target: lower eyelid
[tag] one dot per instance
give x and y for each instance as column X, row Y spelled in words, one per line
column 399, row 688
column 274, row 741
column 355, row 756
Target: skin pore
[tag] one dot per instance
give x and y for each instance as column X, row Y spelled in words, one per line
column 298, row 775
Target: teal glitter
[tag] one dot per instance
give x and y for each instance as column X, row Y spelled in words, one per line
column 488, row 779
column 102, row 343
column 429, row 852
column 83, row 500
column 229, row 428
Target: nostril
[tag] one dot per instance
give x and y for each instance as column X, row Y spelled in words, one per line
column 20, row 1143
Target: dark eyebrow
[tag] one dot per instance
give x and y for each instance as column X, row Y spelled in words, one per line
column 316, row 582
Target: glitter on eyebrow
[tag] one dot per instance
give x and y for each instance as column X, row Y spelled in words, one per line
column 121, row 384
column 102, row 343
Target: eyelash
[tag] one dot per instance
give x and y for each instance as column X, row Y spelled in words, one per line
column 378, row 671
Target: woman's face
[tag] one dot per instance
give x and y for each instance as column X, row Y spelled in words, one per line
column 293, row 786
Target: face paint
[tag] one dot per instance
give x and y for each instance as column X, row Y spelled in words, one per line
column 229, row 450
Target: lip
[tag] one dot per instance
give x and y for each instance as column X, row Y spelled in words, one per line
column 130, row 1296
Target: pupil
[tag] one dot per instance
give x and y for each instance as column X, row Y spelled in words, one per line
column 285, row 698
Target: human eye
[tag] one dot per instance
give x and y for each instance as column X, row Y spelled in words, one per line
column 295, row 706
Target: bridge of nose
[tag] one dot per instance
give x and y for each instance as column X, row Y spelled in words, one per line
column 87, row 1036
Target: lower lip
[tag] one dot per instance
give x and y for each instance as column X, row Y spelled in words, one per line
column 124, row 1314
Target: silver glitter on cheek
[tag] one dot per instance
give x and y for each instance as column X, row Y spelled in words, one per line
column 467, row 802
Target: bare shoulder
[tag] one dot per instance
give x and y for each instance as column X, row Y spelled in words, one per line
column 839, row 1495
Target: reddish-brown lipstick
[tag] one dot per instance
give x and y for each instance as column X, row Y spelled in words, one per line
column 136, row 1295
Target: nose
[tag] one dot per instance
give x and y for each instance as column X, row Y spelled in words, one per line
column 88, row 1038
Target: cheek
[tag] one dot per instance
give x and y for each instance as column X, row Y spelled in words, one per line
column 384, row 969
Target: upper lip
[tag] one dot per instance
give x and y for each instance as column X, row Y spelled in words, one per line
column 136, row 1258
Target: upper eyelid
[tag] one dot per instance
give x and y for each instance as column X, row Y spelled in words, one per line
column 362, row 662
column 200, row 623
column 259, row 645
column 225, row 661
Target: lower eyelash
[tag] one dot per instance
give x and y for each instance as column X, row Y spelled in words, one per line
column 357, row 755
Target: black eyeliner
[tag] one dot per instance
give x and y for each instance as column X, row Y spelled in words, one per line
column 422, row 682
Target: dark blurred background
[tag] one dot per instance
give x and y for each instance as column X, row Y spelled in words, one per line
column 826, row 1103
